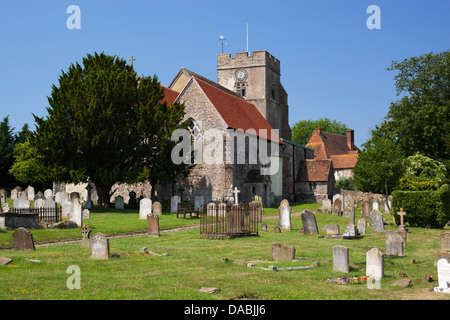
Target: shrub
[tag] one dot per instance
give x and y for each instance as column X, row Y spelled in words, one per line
column 345, row 184
column 423, row 208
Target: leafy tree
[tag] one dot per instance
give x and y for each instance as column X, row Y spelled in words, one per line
column 6, row 152
column 302, row 130
column 380, row 165
column 423, row 173
column 419, row 121
column 108, row 125
column 345, row 184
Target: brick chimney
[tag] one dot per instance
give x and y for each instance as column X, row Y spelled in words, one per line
column 350, row 139
column 319, row 130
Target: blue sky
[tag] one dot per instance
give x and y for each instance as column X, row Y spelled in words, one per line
column 332, row 65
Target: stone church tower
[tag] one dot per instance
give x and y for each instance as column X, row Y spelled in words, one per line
column 256, row 78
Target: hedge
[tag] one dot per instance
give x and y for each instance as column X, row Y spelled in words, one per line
column 423, row 208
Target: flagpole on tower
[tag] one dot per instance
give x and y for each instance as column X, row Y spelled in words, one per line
column 247, row 38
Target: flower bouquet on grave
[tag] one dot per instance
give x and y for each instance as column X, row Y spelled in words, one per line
column 346, row 280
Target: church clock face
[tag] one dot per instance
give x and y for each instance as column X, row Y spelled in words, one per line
column 240, row 75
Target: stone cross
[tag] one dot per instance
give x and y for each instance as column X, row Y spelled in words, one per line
column 236, row 191
column 401, row 214
column 85, row 231
column 353, row 205
column 131, row 60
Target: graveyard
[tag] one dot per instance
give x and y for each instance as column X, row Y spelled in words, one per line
column 176, row 263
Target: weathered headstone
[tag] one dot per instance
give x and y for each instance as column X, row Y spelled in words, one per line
column 74, row 195
column 60, row 197
column 309, row 222
column 326, row 206
column 39, row 203
column 66, row 210
column 174, row 200
column 445, row 242
column 394, row 243
column 280, row 252
column 362, row 224
column 284, row 215
column 376, row 205
column 377, row 221
column 48, row 193
column 340, row 259
column 402, row 226
column 85, row 231
column 3, row 196
column 277, row 229
column 88, row 204
column 132, row 202
column 222, row 210
column 264, row 227
column 23, row 240
column 49, row 203
column 145, row 208
column 39, row 195
column 77, row 213
column 375, row 263
column 331, row 230
column 198, row 203
column 153, row 225
column 157, row 208
column 365, row 209
column 14, row 193
column 337, row 207
column 30, row 193
column 443, row 269
column 21, row 203
column 255, row 211
column 119, row 203
column 99, row 246
column 86, row 214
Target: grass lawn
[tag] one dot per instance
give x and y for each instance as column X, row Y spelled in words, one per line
column 193, row 263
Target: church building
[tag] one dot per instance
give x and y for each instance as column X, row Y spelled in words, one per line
column 247, row 109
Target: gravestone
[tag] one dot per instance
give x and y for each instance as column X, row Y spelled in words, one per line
column 445, row 242
column 388, row 205
column 259, row 200
column 22, row 195
column 377, row 221
column 39, row 195
column 86, row 214
column 85, row 231
column 211, row 209
column 30, row 193
column 362, row 224
column 351, row 231
column 376, row 205
column 119, row 203
column 174, row 201
column 236, row 219
column 326, row 206
column 394, row 243
column 331, row 231
column 88, row 204
column 74, row 195
column 99, row 246
column 49, row 203
column 222, row 210
column 48, row 193
column 157, row 208
column 153, row 225
column 77, row 213
column 264, row 227
column 341, row 259
column 277, row 229
column 132, row 202
column 39, row 203
column 280, row 252
column 66, row 210
column 402, row 226
column 375, row 263
column 21, row 203
column 23, row 240
column 255, row 211
column 443, row 270
column 309, row 222
column 337, row 207
column 198, row 203
column 60, row 197
column 145, row 208
column 284, row 215
column 14, row 193
column 365, row 209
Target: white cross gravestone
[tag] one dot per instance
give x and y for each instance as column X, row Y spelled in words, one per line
column 402, row 224
column 236, row 191
column 443, row 268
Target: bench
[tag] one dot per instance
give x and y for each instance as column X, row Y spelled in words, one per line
column 185, row 208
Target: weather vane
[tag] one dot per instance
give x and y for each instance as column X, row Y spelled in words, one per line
column 222, row 43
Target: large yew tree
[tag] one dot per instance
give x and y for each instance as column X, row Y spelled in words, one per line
column 108, row 125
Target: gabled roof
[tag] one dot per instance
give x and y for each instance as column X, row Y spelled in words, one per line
column 344, row 161
column 314, row 170
column 170, row 95
column 236, row 112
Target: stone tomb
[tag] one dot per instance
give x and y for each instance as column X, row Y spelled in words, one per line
column 309, row 223
column 99, row 246
column 153, row 225
column 341, row 259
column 23, row 240
column 332, row 231
column 284, row 215
column 280, row 252
column 443, row 270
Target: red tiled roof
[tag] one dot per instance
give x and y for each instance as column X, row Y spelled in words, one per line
column 236, row 112
column 314, row 170
column 329, row 144
column 344, row 161
column 169, row 95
